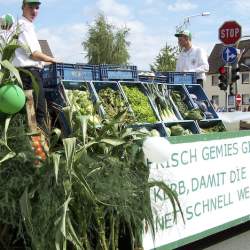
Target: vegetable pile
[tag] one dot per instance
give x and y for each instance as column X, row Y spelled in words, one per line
column 187, row 114
column 81, row 103
column 140, row 105
column 114, row 103
column 177, row 130
column 160, row 96
column 219, row 127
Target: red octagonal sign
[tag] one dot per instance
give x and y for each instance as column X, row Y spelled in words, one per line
column 238, row 99
column 230, row 32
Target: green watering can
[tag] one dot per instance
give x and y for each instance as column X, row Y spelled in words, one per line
column 12, row 98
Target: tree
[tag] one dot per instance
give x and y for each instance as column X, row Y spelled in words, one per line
column 106, row 44
column 166, row 59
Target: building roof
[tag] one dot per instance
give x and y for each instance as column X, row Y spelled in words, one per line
column 45, row 47
column 215, row 59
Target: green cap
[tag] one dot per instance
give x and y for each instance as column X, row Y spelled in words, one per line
column 184, row 33
column 31, row 1
column 7, row 21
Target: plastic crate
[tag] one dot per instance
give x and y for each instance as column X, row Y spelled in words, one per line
column 99, row 85
column 56, row 95
column 179, row 77
column 140, row 86
column 56, row 100
column 198, row 91
column 84, row 86
column 210, row 124
column 113, row 72
column 183, row 91
column 165, row 92
column 53, row 74
column 150, row 126
column 190, row 125
column 156, row 79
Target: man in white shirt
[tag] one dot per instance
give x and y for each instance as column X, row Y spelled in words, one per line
column 32, row 58
column 191, row 58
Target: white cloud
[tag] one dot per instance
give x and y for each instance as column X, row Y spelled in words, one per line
column 113, row 8
column 180, row 5
column 65, row 42
column 242, row 5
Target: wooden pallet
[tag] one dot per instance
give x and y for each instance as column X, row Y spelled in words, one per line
column 30, row 110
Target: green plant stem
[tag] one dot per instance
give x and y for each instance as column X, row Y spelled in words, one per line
column 117, row 231
column 101, row 227
column 112, row 232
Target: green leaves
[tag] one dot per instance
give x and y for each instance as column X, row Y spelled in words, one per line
column 105, row 45
column 69, row 147
column 166, row 59
column 9, row 69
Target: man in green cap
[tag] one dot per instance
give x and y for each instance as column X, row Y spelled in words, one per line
column 191, row 58
column 32, row 59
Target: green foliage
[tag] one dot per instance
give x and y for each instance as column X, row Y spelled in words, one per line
column 91, row 190
column 140, row 105
column 8, row 46
column 166, row 59
column 114, row 103
column 106, row 44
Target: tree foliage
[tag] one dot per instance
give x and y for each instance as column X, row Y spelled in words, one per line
column 106, row 44
column 166, row 59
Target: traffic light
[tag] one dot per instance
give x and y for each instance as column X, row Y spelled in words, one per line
column 235, row 74
column 223, row 78
column 231, row 89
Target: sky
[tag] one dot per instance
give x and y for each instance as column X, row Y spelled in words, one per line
column 152, row 23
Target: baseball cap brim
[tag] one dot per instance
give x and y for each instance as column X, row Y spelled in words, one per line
column 31, row 2
column 184, row 33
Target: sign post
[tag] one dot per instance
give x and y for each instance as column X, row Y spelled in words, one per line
column 229, row 34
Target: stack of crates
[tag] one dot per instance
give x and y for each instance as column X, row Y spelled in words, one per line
column 98, row 77
column 112, row 72
column 54, row 74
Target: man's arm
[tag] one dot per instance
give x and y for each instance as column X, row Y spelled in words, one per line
column 39, row 56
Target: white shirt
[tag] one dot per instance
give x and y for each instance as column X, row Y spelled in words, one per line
column 28, row 38
column 193, row 60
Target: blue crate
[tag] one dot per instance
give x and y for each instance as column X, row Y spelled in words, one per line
column 53, row 74
column 198, row 91
column 56, row 96
column 56, row 100
column 85, row 86
column 140, row 86
column 156, row 79
column 150, row 126
column 183, row 91
column 205, row 124
column 179, row 77
column 168, row 97
column 99, row 85
column 191, row 125
column 118, row 72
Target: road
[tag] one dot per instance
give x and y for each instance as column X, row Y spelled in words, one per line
column 236, row 238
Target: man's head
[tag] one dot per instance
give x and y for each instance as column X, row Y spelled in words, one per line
column 30, row 9
column 184, row 38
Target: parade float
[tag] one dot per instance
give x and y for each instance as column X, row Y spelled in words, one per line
column 129, row 163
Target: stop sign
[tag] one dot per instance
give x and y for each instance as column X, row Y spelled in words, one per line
column 230, row 32
column 238, row 99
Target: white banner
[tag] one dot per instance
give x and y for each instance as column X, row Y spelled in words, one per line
column 212, row 179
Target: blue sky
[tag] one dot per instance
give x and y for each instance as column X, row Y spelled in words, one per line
column 152, row 23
